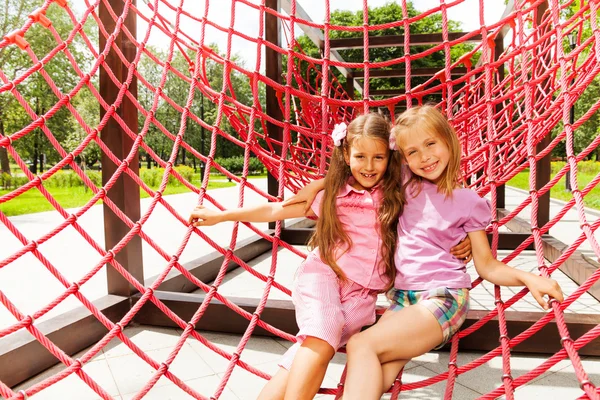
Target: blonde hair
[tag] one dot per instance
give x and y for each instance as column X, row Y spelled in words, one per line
column 330, row 234
column 430, row 119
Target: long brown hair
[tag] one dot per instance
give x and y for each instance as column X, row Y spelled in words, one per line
column 330, row 235
column 430, row 119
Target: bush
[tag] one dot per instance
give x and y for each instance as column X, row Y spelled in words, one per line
column 152, row 177
column 256, row 166
column 95, row 177
column 586, row 167
column 6, row 181
column 186, row 172
column 235, row 165
column 63, row 179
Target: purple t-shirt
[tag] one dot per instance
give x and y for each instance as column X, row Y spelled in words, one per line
column 429, row 226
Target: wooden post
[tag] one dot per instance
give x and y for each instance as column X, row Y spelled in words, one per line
column 350, row 85
column 125, row 193
column 499, row 49
column 273, row 71
column 543, row 166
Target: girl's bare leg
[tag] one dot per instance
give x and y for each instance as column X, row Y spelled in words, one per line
column 376, row 355
column 308, row 369
column 275, row 388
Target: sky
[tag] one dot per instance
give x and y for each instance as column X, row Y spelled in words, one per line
column 246, row 19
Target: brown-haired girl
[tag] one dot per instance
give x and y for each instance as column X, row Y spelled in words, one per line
column 352, row 257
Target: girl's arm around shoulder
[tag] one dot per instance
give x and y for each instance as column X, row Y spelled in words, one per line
column 307, row 194
column 266, row 212
column 501, row 274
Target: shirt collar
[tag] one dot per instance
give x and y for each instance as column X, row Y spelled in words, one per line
column 348, row 188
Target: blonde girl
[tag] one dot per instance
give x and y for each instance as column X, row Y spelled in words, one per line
column 430, row 299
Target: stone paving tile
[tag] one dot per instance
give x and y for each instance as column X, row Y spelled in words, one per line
column 432, row 392
column 205, row 386
column 73, row 387
column 488, row 377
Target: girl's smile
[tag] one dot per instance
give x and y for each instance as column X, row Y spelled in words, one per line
column 427, row 156
column 368, row 160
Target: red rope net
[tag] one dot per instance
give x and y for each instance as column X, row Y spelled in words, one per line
column 509, row 93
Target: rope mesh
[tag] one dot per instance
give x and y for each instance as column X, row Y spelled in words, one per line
column 521, row 79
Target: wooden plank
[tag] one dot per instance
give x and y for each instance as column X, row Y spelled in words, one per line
column 419, row 39
column 208, row 266
column 125, row 193
column 23, row 357
column 401, row 72
column 218, row 317
column 280, row 314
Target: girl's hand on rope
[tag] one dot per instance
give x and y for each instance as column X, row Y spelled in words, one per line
column 202, row 216
column 462, row 251
column 540, row 286
column 305, row 195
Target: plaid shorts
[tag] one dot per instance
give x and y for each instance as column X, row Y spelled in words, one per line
column 448, row 306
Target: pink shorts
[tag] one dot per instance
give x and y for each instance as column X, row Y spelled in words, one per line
column 328, row 308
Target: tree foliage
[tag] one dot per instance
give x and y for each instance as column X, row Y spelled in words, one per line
column 390, row 12
column 37, row 90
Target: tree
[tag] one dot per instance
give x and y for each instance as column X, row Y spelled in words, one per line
column 590, row 129
column 390, row 12
column 12, row 14
column 176, row 89
column 37, row 92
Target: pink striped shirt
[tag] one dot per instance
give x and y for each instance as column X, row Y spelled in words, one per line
column 357, row 211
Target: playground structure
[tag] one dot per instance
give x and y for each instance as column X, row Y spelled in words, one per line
column 504, row 106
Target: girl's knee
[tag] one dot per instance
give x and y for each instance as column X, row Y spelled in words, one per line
column 319, row 346
column 356, row 343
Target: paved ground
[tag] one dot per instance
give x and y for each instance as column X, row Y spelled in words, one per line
column 122, row 374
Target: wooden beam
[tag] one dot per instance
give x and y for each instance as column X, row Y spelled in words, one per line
column 318, row 39
column 280, row 314
column 508, row 240
column 401, row 72
column 23, row 357
column 398, row 40
column 125, row 193
column 218, row 317
column 578, row 267
column 545, row 341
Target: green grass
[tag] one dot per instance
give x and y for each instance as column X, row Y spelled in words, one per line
column 32, row 201
column 592, row 199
